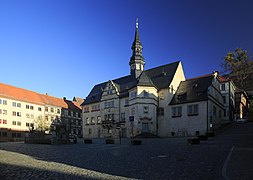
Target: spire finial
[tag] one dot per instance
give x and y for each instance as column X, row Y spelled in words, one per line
column 137, row 23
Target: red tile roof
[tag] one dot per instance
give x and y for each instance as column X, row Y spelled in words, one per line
column 223, row 79
column 20, row 94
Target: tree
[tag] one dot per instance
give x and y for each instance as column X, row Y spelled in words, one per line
column 238, row 66
column 41, row 124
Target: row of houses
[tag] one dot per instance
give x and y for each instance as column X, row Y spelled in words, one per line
column 160, row 101
column 22, row 110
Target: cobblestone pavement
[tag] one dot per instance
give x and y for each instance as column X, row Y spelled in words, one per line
column 170, row 158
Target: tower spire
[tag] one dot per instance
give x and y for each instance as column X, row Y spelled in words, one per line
column 137, row 61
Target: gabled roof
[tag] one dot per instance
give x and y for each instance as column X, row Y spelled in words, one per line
column 162, row 76
column 28, row 96
column 144, row 80
column 78, row 100
column 159, row 77
column 192, row 90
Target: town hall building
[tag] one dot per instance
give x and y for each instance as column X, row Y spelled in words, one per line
column 140, row 102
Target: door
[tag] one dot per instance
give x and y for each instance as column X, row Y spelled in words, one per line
column 145, row 127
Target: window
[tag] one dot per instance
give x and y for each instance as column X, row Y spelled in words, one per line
column 133, row 94
column 32, row 116
column 4, row 134
column 109, row 104
column 13, row 135
column 99, row 120
column 39, row 109
column 224, row 99
column 52, row 118
column 1, row 101
column 160, row 111
column 4, row 102
column 66, row 112
column 14, row 122
column 193, row 110
column 87, row 120
column 181, row 97
column 14, row 104
column 86, row 109
column 58, row 111
column 46, row 118
column 52, row 110
column 122, row 117
column 109, row 117
column 145, row 94
column 27, row 115
column 4, row 112
column 0, row 121
column 132, row 111
column 92, row 120
column 27, row 124
column 0, row 111
column 214, row 111
column 126, row 102
column 19, row 123
column 31, row 107
column 19, row 114
column 18, row 104
column 46, row 109
column 14, row 113
column 90, row 131
column 176, row 111
column 223, row 87
column 4, row 121
column 145, row 109
column 27, row 106
column 95, row 107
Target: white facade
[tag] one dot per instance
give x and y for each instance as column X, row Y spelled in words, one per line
column 227, row 89
column 198, row 117
column 134, row 114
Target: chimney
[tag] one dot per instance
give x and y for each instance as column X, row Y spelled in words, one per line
column 64, row 98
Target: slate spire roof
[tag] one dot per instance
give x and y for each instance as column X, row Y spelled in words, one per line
column 136, row 47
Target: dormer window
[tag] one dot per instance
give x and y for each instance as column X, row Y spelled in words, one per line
column 181, row 97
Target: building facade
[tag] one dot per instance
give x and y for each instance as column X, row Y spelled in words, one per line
column 132, row 104
column 23, row 110
column 197, row 106
column 227, row 89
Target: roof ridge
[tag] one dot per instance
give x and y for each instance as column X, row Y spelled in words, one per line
column 162, row 66
column 199, row 77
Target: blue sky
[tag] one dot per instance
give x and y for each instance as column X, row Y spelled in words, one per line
column 65, row 47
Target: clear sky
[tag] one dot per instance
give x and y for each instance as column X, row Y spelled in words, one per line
column 65, row 47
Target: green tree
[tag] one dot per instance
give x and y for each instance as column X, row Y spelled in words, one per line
column 238, row 66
